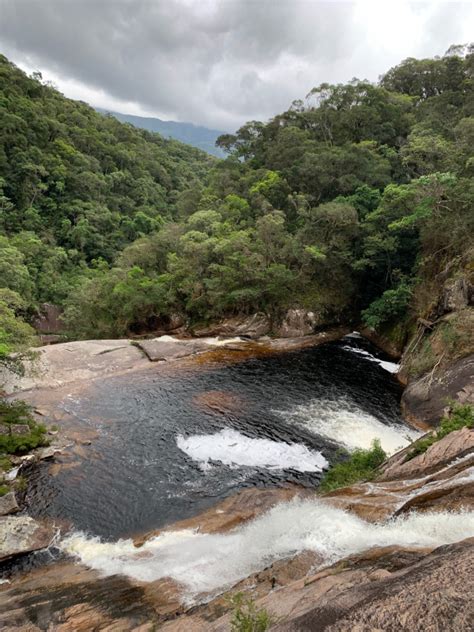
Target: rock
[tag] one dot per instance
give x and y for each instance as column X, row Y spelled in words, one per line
column 22, row 534
column 66, row 597
column 253, row 326
column 436, row 593
column 297, row 322
column 12, row 474
column 4, row 429
column 75, row 361
column 8, row 504
column 454, row 446
column 233, row 511
column 218, row 401
column 46, row 453
column 424, row 399
column 49, row 320
column 168, row 348
column 19, row 429
column 457, row 294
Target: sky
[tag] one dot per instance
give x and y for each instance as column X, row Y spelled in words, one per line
column 219, row 63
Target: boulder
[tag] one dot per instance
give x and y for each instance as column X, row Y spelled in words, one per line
column 297, row 322
column 425, row 399
column 457, row 294
column 49, row 320
column 455, row 445
column 8, row 504
column 168, row 348
column 253, row 326
column 22, row 534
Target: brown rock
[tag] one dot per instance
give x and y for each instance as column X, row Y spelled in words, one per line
column 49, row 320
column 455, row 445
column 436, row 593
column 233, row 511
column 218, row 401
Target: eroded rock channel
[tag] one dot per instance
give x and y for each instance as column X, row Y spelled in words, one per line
column 187, row 481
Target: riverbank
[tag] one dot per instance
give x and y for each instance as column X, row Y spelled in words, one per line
column 391, row 541
column 292, row 579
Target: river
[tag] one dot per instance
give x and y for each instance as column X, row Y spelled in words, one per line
column 171, row 441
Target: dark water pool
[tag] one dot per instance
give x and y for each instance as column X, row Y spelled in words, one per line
column 133, row 477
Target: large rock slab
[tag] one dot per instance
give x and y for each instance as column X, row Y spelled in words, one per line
column 69, row 362
column 23, row 534
column 425, row 399
column 233, row 511
column 169, row 348
column 455, row 445
column 435, row 593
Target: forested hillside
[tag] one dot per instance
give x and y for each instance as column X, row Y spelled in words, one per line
column 352, row 203
column 195, row 135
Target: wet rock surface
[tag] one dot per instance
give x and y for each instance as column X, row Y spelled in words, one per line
column 233, row 511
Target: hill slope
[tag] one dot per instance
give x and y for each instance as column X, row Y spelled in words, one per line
column 201, row 137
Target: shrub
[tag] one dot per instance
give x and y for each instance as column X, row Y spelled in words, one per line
column 360, row 465
column 20, row 413
column 390, row 306
column 246, row 618
column 462, row 416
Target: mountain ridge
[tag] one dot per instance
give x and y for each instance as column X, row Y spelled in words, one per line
column 203, row 138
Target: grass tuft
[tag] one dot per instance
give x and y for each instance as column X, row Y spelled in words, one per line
column 360, row 465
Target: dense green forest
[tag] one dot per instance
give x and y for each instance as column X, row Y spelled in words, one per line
column 352, row 203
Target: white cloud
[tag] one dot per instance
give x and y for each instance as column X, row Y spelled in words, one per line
column 219, row 62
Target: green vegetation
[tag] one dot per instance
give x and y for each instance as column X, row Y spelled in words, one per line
column 19, row 413
column 246, row 618
column 361, row 465
column 353, row 203
column 461, row 416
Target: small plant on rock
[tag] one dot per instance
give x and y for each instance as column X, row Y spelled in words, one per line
column 461, row 416
column 361, row 465
column 247, row 618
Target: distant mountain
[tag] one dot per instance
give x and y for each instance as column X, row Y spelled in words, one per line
column 200, row 137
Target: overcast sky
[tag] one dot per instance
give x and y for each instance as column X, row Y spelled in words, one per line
column 219, row 63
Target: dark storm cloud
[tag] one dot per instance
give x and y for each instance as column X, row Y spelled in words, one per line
column 214, row 62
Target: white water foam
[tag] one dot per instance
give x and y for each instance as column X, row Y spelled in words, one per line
column 235, row 449
column 210, row 563
column 344, row 422
column 391, row 367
